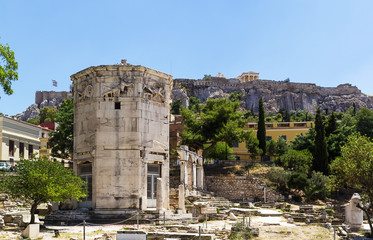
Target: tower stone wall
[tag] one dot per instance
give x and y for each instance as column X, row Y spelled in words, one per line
column 121, row 133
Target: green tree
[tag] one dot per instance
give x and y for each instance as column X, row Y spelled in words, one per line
column 176, row 107
column 252, row 145
column 337, row 140
column 271, row 147
column 281, row 146
column 194, row 105
column 234, row 96
column 355, row 167
column 331, row 125
column 304, row 141
column 364, row 122
column 8, row 68
column 218, row 121
column 280, row 177
column 320, row 157
column 322, row 183
column 48, row 114
column 35, row 121
column 221, row 151
column 261, row 133
column 61, row 141
column 294, row 160
column 42, row 181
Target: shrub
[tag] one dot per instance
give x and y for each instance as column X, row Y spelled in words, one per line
column 279, row 176
column 298, row 180
column 295, row 160
column 322, row 183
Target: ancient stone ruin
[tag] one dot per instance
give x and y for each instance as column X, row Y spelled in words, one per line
column 121, row 137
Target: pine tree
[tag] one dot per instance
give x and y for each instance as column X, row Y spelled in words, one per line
column 320, row 158
column 261, row 134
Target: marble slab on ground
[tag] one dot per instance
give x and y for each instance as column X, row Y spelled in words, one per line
column 269, row 212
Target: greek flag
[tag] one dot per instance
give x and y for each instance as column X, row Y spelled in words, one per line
column 54, row 82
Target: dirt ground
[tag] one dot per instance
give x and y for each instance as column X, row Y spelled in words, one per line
column 270, row 228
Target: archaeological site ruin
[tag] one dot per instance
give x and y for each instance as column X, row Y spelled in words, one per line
column 121, row 137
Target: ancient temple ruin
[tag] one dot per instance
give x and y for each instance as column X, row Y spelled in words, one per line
column 121, row 136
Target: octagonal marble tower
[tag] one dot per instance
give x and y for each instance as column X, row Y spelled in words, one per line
column 121, row 136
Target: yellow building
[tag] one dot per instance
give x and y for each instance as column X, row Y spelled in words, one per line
column 287, row 130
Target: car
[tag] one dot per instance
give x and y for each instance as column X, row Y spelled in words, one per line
column 4, row 166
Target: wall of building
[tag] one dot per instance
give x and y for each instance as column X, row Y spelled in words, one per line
column 287, row 130
column 238, row 188
column 18, row 132
column 121, row 127
column 40, row 96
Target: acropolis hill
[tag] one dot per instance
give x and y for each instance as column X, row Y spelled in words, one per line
column 276, row 94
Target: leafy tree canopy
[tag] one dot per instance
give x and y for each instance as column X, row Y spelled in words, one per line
column 221, row 151
column 295, row 160
column 252, row 145
column 176, row 107
column 218, row 121
column 8, row 68
column 281, row 146
column 305, row 141
column 364, row 122
column 194, row 105
column 61, row 141
column 42, row 181
column 48, row 114
column 355, row 167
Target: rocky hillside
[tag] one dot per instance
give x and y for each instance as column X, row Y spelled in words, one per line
column 276, row 94
column 43, row 99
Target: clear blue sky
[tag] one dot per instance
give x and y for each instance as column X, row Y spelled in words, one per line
column 327, row 42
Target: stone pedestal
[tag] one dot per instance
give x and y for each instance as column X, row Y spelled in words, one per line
column 182, row 198
column 31, row 231
column 131, row 235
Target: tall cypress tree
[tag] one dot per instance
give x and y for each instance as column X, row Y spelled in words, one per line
column 261, row 133
column 332, row 125
column 320, row 158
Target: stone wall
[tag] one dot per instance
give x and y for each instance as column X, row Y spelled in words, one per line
column 41, row 96
column 174, row 181
column 237, row 188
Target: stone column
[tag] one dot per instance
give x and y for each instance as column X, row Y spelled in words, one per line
column 200, row 178
column 182, row 172
column 160, row 194
column 194, row 176
column 144, row 197
column 182, row 198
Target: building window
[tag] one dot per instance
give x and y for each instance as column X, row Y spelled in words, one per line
column 235, row 144
column 268, row 138
column 283, row 137
column 11, row 148
column 117, row 105
column 30, row 151
column 21, row 150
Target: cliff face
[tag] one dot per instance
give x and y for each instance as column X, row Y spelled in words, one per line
column 276, row 94
column 43, row 99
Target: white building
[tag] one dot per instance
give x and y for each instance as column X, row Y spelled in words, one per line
column 19, row 140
